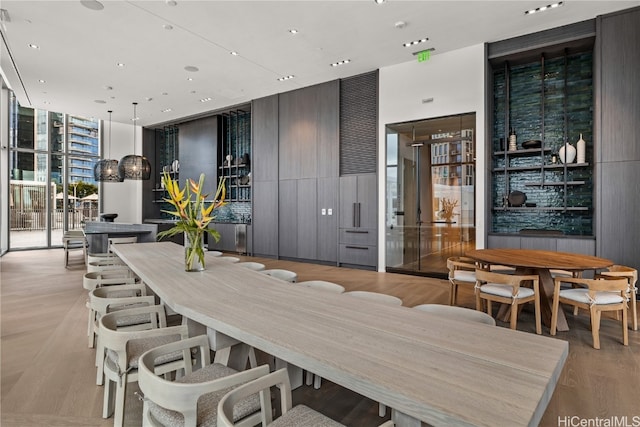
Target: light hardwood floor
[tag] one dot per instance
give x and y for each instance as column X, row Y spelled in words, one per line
column 48, row 373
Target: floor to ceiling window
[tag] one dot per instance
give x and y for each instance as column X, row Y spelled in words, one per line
column 51, row 185
column 430, row 206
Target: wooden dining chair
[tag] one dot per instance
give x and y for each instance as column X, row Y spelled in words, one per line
column 462, row 272
column 191, row 399
column 508, row 289
column 631, row 274
column 594, row 295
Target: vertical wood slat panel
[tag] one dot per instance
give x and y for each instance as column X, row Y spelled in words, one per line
column 358, row 123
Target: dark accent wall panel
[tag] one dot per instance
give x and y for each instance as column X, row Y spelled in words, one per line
column 618, row 154
column 328, row 129
column 264, row 115
column 198, row 141
column 265, row 218
column 358, row 124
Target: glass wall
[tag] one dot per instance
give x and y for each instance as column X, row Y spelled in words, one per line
column 430, row 208
column 51, row 185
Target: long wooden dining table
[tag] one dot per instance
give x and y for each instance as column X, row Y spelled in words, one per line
column 428, row 369
column 540, row 262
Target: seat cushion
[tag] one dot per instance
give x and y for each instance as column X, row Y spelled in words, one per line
column 135, row 348
column 207, row 403
column 505, row 290
column 303, row 416
column 464, row 275
column 582, row 295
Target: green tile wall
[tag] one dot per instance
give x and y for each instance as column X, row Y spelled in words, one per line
column 537, row 109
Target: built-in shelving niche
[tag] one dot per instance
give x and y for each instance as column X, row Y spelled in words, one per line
column 549, row 99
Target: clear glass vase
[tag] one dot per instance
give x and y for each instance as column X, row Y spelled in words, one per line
column 194, row 250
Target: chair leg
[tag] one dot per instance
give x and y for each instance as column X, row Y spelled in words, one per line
column 121, row 392
column 99, row 363
column 317, row 381
column 634, row 310
column 514, row 316
column 625, row 329
column 107, row 400
column 536, row 303
column 595, row 326
column 382, row 410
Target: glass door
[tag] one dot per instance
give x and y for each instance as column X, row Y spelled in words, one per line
column 430, row 209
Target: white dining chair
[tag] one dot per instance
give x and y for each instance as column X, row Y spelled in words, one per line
column 293, row 416
column 457, row 313
column 282, row 274
column 74, row 240
column 191, row 399
column 124, row 347
column 255, row 266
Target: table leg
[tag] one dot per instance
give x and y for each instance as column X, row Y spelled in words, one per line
column 546, row 300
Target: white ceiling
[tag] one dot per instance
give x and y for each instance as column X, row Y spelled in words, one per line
column 80, row 47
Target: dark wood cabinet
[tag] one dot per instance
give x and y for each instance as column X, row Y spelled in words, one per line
column 358, row 220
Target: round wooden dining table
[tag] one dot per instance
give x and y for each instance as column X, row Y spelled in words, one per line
column 540, row 262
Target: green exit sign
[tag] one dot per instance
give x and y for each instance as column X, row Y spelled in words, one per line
column 424, row 55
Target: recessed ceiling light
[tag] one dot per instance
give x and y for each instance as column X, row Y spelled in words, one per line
column 293, row 31
column 167, row 27
column 234, row 53
column 165, row 93
column 415, row 42
column 148, row 99
column 41, row 81
column 379, row 1
column 543, row 8
column 190, row 79
column 100, row 101
column 286, row 78
column 92, row 4
column 205, row 99
column 191, row 69
column 171, row 2
column 34, row 46
column 166, row 110
column 120, row 64
column 344, row 61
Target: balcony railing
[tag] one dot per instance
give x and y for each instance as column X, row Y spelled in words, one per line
column 36, row 219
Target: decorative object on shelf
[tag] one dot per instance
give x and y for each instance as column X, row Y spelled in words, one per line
column 554, row 159
column 446, row 213
column 513, row 145
column 193, row 217
column 246, row 160
column 581, row 149
column 134, row 166
column 517, row 198
column 567, row 153
column 229, row 159
column 175, row 166
column 106, row 170
column 532, row 143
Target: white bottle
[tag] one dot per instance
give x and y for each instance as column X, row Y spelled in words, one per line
column 581, row 150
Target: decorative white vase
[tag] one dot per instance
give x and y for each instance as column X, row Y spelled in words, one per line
column 567, row 153
column 581, row 148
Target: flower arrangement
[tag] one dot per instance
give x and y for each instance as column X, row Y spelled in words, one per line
column 193, row 216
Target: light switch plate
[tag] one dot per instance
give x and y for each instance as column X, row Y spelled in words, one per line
column 323, row 211
column 330, row 211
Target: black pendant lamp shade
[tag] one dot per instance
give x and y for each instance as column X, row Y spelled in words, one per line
column 106, row 170
column 134, row 166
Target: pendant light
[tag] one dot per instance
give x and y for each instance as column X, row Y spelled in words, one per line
column 134, row 166
column 106, row 170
